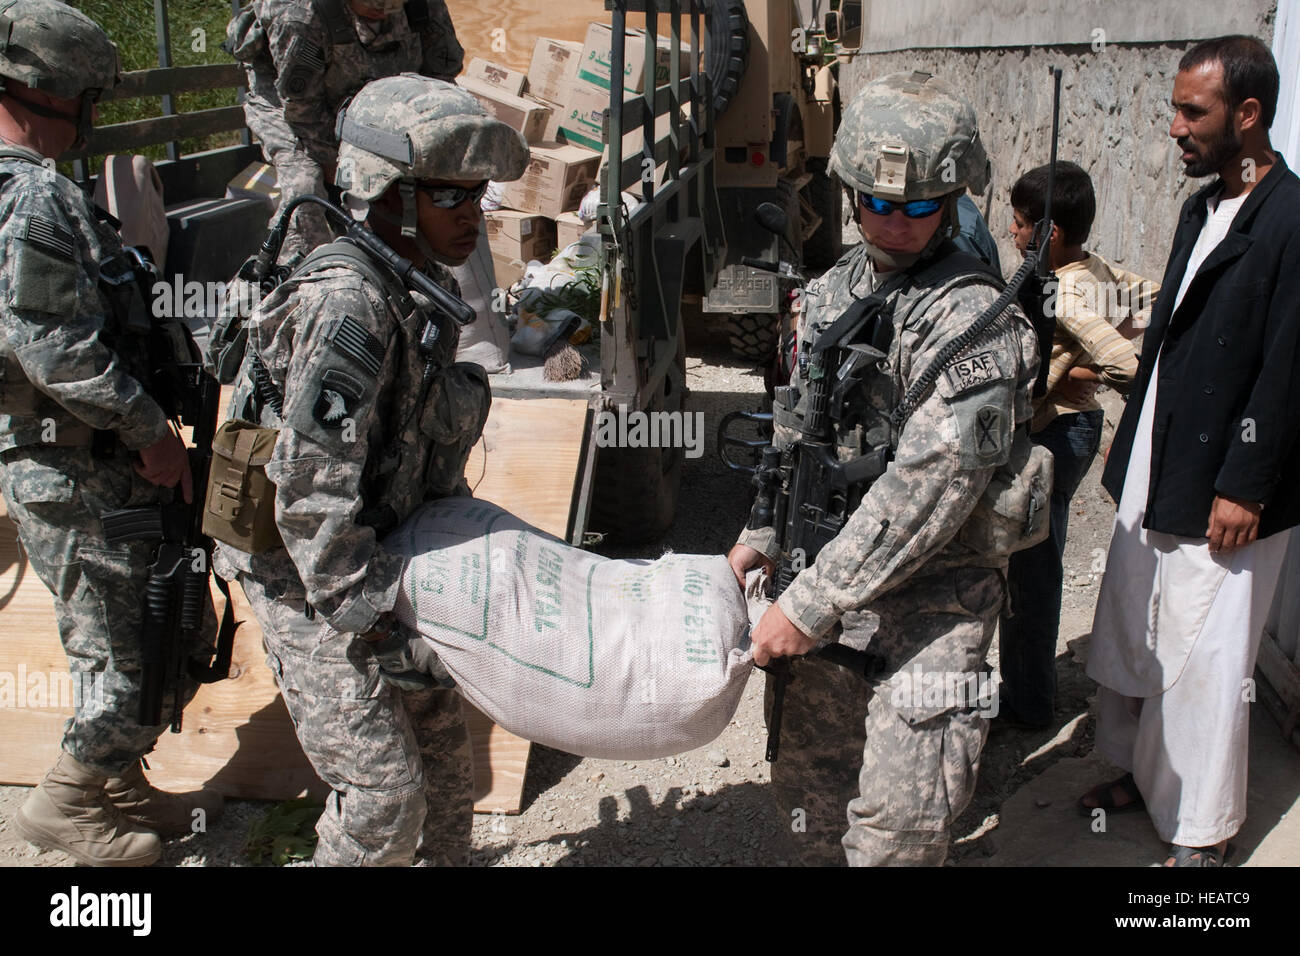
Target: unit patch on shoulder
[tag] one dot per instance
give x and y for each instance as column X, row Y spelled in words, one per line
column 337, row 401
column 972, row 370
column 988, row 431
column 356, row 342
column 49, row 235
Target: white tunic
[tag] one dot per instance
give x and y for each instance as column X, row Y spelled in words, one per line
column 1174, row 642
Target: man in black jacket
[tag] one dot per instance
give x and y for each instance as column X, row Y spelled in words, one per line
column 1205, row 468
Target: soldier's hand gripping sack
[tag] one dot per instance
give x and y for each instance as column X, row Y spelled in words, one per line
column 596, row 657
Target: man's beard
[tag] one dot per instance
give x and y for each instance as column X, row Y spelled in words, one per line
column 1214, row 153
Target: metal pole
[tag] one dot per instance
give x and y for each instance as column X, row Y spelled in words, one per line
column 162, row 31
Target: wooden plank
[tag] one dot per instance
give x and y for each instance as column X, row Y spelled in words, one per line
column 237, row 735
column 527, row 460
column 122, row 137
column 177, row 79
column 1284, row 678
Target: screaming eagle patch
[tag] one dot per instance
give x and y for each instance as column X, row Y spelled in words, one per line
column 336, row 403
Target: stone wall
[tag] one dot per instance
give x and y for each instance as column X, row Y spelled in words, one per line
column 1115, row 117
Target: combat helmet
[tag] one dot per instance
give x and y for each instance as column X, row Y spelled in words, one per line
column 405, row 128
column 56, row 49
column 909, row 136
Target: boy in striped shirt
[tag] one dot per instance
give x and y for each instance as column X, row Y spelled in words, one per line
column 1099, row 309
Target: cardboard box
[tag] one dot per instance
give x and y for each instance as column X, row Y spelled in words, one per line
column 527, row 116
column 580, row 119
column 569, row 228
column 501, row 78
column 595, row 65
column 255, row 181
column 519, row 235
column 556, row 179
column 554, row 66
column 552, row 132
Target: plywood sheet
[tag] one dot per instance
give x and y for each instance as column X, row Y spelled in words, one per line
column 237, row 734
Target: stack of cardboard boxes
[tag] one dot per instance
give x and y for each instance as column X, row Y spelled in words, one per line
column 558, row 107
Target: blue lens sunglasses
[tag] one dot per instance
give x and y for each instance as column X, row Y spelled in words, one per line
column 916, row 209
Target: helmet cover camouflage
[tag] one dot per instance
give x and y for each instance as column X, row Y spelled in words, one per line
column 56, row 49
column 411, row 127
column 909, row 136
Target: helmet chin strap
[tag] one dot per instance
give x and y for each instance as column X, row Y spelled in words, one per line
column 83, row 120
column 383, row 215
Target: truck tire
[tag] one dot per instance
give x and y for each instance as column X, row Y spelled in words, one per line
column 753, row 335
column 635, row 491
column 727, row 55
column 822, row 249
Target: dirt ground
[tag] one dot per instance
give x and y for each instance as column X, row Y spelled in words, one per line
column 709, row 806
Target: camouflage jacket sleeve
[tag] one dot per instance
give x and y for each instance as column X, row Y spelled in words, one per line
column 338, row 362
column 55, row 322
column 298, row 42
column 947, row 452
column 442, row 56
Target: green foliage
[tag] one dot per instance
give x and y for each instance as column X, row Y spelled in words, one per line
column 130, row 24
column 287, row 832
column 582, row 295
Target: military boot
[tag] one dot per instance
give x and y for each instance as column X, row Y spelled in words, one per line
column 69, row 811
column 167, row 814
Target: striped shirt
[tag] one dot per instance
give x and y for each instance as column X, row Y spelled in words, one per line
column 1100, row 308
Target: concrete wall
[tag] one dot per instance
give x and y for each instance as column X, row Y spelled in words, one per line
column 891, row 25
column 1115, row 117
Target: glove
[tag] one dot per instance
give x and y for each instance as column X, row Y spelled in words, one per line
column 408, row 663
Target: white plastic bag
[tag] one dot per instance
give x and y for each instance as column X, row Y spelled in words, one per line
column 593, row 656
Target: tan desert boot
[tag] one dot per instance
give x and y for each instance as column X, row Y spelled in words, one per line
column 167, row 814
column 69, row 811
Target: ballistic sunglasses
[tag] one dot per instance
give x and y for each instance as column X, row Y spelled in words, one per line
column 916, row 209
column 449, row 197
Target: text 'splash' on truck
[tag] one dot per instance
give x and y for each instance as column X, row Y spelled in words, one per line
column 752, row 121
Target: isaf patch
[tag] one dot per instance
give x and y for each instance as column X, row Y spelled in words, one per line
column 355, row 341
column 971, row 371
column 50, row 236
column 336, row 403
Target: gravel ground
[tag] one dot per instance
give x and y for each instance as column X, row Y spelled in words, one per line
column 710, row 806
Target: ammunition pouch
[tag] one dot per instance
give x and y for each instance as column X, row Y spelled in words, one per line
column 1014, row 511
column 240, row 506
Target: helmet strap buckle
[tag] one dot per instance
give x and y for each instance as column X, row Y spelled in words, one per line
column 406, row 189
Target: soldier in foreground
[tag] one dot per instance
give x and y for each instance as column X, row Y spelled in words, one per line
column 917, row 572
column 374, row 420
column 80, row 436
column 304, row 58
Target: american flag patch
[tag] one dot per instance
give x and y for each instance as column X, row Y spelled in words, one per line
column 352, row 339
column 49, row 235
column 311, row 55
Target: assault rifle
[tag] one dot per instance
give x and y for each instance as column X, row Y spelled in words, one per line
column 1040, row 287
column 176, row 594
column 806, row 493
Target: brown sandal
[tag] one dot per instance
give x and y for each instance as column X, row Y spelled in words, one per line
column 1105, row 797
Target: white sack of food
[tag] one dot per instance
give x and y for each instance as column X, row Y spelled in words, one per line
column 589, row 655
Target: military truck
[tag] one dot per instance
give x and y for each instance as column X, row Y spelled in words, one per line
column 777, row 105
column 750, row 121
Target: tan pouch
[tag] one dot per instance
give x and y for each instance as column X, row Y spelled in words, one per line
column 1014, row 512
column 240, row 506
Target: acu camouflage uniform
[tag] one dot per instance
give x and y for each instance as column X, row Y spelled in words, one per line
column 66, row 369
column 364, row 440
column 910, row 577
column 304, row 58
